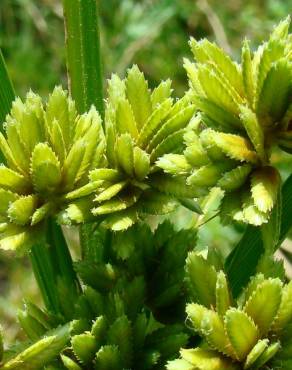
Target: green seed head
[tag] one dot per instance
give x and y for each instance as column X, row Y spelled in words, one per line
column 250, row 333
column 49, row 151
column 243, row 110
column 140, row 126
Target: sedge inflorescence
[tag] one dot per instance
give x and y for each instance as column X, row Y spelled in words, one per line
column 150, row 154
column 243, row 111
column 140, row 126
column 128, row 314
column 49, row 150
column 65, row 165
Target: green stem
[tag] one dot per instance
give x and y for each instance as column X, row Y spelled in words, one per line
column 286, row 219
column 52, row 264
column 84, row 61
column 63, row 265
column 83, row 53
column 45, row 277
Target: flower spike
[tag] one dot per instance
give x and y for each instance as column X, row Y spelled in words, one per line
column 250, row 333
column 243, row 110
column 49, row 151
column 140, row 126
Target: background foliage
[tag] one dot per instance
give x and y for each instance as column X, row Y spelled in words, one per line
column 151, row 33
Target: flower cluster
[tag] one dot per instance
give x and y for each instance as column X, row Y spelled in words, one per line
column 140, row 126
column 49, row 151
column 59, row 163
column 128, row 315
column 243, row 111
column 248, row 333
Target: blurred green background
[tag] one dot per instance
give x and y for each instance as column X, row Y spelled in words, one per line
column 151, row 33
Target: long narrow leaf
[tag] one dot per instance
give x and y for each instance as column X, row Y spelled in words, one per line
column 242, row 261
column 286, row 221
column 44, row 275
column 63, row 264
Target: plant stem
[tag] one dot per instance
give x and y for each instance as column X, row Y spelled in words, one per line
column 83, row 54
column 63, row 265
column 45, row 277
column 84, row 61
column 286, row 219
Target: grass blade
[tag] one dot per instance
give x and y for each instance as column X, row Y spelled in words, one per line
column 286, row 219
column 44, row 275
column 52, row 265
column 242, row 262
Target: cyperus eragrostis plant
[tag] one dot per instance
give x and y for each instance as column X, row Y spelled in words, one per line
column 122, row 305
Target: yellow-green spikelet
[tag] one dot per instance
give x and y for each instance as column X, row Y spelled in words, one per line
column 49, row 150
